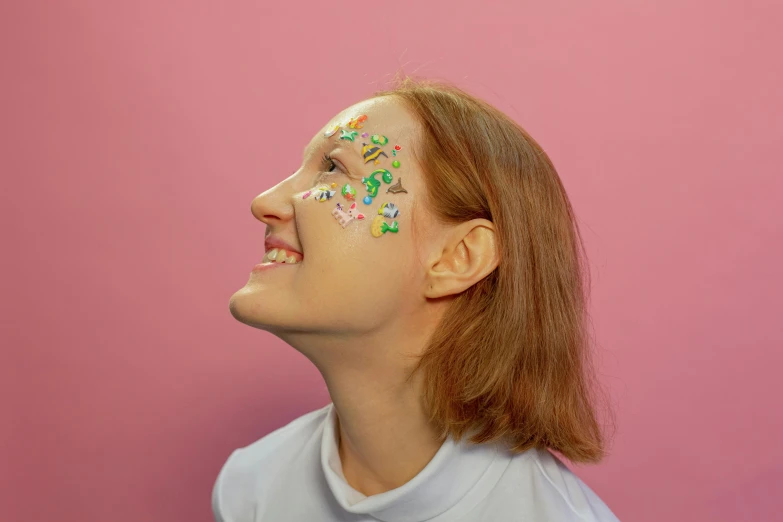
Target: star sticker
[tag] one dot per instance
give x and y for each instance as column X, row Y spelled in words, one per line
column 346, row 135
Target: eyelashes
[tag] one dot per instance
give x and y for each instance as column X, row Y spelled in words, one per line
column 327, row 163
column 328, row 166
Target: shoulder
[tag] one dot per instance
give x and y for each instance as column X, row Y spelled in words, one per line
column 565, row 492
column 245, row 470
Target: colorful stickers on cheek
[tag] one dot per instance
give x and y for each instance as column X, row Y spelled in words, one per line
column 397, row 187
column 374, row 152
column 344, row 217
column 379, row 226
column 389, row 210
column 348, row 192
column 373, row 184
column 322, row 193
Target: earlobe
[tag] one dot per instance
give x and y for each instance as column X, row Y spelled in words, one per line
column 470, row 254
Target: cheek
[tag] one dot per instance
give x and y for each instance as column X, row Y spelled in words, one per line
column 367, row 274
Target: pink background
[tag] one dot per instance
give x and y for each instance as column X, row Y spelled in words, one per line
column 135, row 134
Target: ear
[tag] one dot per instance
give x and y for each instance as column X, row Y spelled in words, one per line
column 468, row 255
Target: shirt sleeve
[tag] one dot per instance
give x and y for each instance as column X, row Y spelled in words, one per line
column 218, row 510
column 573, row 496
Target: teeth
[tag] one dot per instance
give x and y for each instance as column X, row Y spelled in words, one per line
column 277, row 255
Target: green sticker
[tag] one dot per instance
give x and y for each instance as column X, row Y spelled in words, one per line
column 348, row 192
column 347, row 135
column 379, row 139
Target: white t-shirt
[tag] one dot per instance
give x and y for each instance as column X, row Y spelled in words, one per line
column 294, row 474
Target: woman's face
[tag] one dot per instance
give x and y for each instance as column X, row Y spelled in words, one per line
column 357, row 274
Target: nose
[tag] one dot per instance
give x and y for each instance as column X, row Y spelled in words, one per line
column 274, row 206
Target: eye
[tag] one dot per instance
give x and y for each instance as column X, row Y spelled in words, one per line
column 328, row 164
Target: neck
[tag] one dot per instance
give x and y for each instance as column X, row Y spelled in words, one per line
column 383, row 436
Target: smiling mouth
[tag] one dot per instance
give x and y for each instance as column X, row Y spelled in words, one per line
column 278, row 255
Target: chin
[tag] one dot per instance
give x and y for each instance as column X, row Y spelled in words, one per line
column 248, row 307
column 253, row 308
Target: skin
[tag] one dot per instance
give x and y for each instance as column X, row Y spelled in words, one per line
column 357, row 305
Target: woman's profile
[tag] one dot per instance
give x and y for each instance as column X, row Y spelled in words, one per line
column 426, row 259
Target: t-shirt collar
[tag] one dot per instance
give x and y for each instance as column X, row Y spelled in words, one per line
column 454, row 470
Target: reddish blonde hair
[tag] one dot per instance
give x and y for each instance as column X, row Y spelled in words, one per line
column 510, row 358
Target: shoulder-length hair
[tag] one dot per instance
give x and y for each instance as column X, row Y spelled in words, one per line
column 510, row 358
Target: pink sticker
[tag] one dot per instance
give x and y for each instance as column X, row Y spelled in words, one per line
column 344, row 217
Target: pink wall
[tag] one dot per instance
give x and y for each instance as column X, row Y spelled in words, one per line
column 135, row 134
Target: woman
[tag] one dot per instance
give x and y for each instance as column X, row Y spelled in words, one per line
column 426, row 259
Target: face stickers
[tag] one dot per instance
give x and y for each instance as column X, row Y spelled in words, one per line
column 348, row 135
column 348, row 192
column 389, row 210
column 397, row 187
column 370, row 152
column 379, row 140
column 322, row 193
column 356, row 123
column 373, row 184
column 343, row 217
column 379, row 227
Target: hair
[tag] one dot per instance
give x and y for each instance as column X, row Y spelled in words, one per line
column 509, row 360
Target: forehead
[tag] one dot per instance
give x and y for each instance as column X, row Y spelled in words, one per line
column 385, row 115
